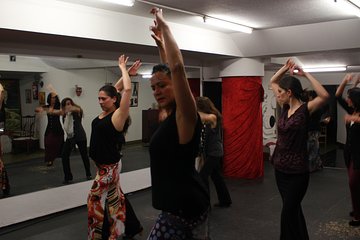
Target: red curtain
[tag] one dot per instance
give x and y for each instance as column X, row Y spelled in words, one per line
column 194, row 86
column 242, row 121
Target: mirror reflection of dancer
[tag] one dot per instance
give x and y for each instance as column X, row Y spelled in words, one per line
column 177, row 189
column 352, row 146
column 54, row 133
column 75, row 135
column 4, row 179
column 106, row 129
column 314, row 128
column 213, row 149
column 290, row 158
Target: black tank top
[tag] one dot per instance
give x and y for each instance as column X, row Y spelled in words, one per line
column 176, row 185
column 104, row 141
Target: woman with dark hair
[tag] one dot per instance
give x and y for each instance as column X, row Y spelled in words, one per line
column 75, row 135
column 106, row 198
column 314, row 127
column 177, row 189
column 54, row 133
column 290, row 158
column 212, row 144
column 352, row 146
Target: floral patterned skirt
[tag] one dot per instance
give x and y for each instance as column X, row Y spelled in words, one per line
column 106, row 193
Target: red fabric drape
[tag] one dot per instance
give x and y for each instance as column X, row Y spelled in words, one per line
column 242, row 121
column 194, row 86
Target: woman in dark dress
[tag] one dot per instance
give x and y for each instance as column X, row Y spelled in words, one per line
column 352, row 146
column 54, row 133
column 177, row 189
column 290, row 158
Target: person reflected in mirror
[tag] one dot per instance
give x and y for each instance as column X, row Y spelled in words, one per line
column 177, row 189
column 212, row 147
column 352, row 145
column 54, row 133
column 4, row 179
column 290, row 158
column 75, row 136
column 105, row 150
column 315, row 162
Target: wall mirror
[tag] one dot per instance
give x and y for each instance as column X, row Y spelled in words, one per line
column 23, row 143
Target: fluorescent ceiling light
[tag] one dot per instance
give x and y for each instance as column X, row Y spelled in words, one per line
column 147, row 75
column 325, row 69
column 227, row 25
column 128, row 3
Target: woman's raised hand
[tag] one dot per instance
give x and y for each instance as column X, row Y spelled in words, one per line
column 122, row 61
column 134, row 68
column 347, row 78
column 159, row 22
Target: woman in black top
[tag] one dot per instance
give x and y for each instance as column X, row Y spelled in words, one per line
column 75, row 135
column 177, row 189
column 106, row 130
column 213, row 149
column 54, row 133
column 352, row 145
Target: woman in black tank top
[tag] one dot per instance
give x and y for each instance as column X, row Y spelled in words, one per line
column 177, row 189
column 105, row 194
column 212, row 147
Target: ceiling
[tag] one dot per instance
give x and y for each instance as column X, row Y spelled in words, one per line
column 254, row 13
column 258, row 14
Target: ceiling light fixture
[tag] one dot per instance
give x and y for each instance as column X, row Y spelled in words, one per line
column 128, row 3
column 227, row 25
column 217, row 22
column 146, row 75
column 325, row 69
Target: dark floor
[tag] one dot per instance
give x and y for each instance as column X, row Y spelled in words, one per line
column 254, row 215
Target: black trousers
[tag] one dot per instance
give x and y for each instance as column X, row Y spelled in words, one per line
column 213, row 168
column 67, row 148
column 292, row 188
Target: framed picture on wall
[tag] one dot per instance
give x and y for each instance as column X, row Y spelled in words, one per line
column 134, row 95
column 41, row 98
column 35, row 91
column 27, row 95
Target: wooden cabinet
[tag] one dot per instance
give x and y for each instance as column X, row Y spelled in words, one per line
column 150, row 122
